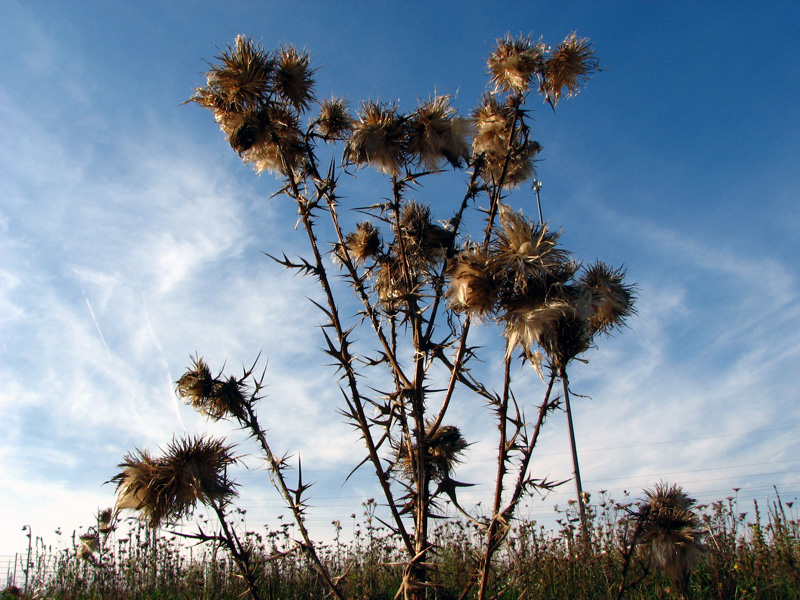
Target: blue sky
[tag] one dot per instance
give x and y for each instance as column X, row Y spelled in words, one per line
column 131, row 237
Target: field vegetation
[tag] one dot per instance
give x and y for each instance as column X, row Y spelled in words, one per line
column 748, row 555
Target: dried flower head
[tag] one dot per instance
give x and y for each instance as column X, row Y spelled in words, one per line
column 90, row 543
column 216, row 398
column 378, row 139
column 671, row 531
column 334, row 122
column 364, row 243
column 513, row 63
column 524, row 251
column 443, row 449
column 473, row 289
column 294, row 80
column 105, row 521
column 569, row 334
column 612, row 300
column 425, row 243
column 493, row 125
column 436, row 132
column 169, row 487
column 240, row 82
column 276, row 142
column 568, row 68
column 526, row 325
column 505, row 157
column 391, row 285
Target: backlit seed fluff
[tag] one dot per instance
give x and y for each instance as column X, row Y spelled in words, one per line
column 568, row 68
column 378, row 139
column 612, row 300
column 514, row 62
column 294, row 79
column 436, row 133
column 472, row 288
column 334, row 122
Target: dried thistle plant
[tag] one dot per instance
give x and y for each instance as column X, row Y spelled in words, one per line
column 420, row 281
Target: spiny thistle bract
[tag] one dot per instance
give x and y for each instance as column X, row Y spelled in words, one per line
column 567, row 68
column 671, row 531
column 170, row 486
column 514, row 62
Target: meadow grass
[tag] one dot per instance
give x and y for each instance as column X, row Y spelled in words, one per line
column 750, row 555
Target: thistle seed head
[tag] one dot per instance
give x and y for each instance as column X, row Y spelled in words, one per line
column 436, row 132
column 612, row 300
column 334, row 122
column 364, row 243
column 241, row 81
column 425, row 243
column 671, row 531
column 472, row 289
column 277, row 142
column 443, row 449
column 215, row 398
column 378, row 139
column 493, row 124
column 514, row 62
column 169, row 487
column 294, row 80
column 524, row 251
column 568, row 335
column 568, row 68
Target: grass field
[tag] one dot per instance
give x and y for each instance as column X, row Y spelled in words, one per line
column 749, row 555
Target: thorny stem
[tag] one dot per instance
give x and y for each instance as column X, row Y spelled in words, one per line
column 295, row 505
column 346, row 360
column 240, row 555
